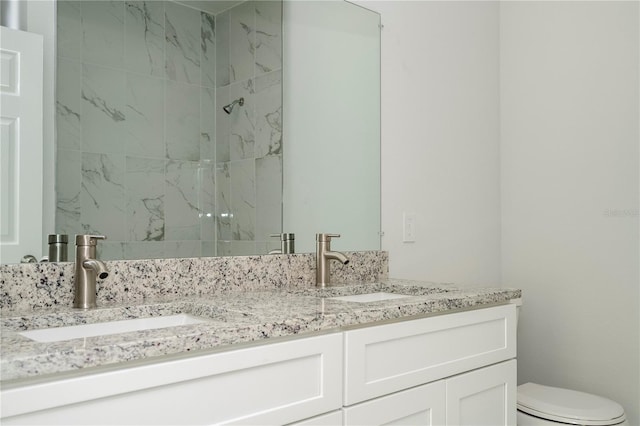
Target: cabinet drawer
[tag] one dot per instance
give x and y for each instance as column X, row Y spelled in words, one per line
column 275, row 383
column 388, row 358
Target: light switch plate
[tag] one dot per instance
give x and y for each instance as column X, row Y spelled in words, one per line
column 408, row 227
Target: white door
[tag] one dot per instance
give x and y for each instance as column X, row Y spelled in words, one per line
column 21, row 75
column 483, row 397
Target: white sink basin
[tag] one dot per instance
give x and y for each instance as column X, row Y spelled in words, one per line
column 106, row 328
column 369, row 297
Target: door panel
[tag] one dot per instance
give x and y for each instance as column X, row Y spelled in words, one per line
column 21, row 73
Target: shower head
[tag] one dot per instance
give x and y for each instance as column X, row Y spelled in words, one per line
column 229, row 108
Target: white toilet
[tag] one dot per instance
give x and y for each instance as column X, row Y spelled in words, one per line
column 544, row 406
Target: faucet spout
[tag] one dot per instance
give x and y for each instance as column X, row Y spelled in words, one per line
column 98, row 267
column 336, row 255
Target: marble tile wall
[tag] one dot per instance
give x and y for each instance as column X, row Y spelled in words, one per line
column 145, row 153
column 249, row 140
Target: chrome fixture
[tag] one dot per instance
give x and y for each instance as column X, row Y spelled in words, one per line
column 87, row 269
column 287, row 244
column 58, row 247
column 323, row 257
column 229, row 108
column 28, row 258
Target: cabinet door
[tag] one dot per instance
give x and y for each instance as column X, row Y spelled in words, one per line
column 423, row 405
column 483, row 397
column 330, row 419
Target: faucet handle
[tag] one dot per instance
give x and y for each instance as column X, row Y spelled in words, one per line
column 325, row 238
column 88, row 240
column 284, row 236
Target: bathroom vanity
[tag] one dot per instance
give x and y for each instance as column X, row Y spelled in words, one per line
column 441, row 355
column 260, row 344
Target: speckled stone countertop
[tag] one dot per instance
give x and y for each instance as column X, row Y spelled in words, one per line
column 231, row 318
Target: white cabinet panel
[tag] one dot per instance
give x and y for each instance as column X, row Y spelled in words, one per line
column 388, row 358
column 272, row 384
column 424, row 405
column 483, row 397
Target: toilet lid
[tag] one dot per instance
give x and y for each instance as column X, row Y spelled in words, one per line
column 568, row 406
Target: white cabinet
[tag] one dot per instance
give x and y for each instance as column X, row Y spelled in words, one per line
column 271, row 384
column 456, row 369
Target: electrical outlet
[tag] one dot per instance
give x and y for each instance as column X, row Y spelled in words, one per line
column 408, row 227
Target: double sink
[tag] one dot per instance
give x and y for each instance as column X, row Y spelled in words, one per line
column 109, row 321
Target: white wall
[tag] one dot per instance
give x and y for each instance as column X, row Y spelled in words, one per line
column 569, row 147
column 440, row 139
column 566, row 155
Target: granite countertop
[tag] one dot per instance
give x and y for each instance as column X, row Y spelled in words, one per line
column 233, row 318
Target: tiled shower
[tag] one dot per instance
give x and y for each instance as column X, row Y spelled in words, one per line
column 145, row 153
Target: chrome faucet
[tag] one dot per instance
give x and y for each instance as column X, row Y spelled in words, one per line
column 87, row 269
column 323, row 257
column 287, row 244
